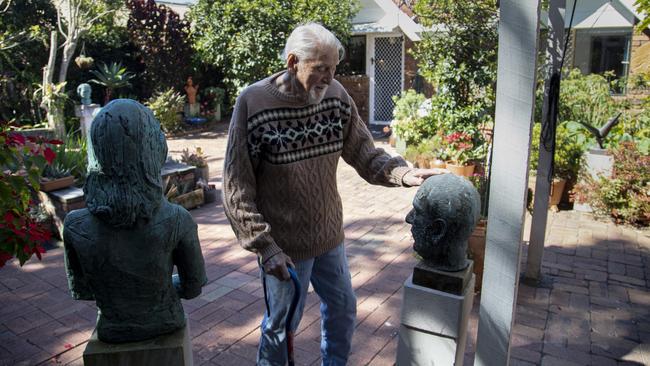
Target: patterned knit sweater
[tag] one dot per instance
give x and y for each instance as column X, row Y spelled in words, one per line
column 279, row 177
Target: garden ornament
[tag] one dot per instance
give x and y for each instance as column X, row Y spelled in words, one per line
column 84, row 91
column 445, row 211
column 191, row 90
column 121, row 250
column 601, row 133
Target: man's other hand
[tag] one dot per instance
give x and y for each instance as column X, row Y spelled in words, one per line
column 277, row 266
column 416, row 177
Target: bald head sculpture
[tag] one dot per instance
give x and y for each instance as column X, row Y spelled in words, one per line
column 445, row 211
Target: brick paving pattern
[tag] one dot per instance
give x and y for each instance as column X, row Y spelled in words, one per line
column 593, row 307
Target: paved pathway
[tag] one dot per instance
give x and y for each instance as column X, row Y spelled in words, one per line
column 592, row 309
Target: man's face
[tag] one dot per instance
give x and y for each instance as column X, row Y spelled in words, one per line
column 315, row 74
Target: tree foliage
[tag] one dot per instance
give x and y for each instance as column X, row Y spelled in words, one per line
column 244, row 38
column 162, row 45
column 459, row 54
column 643, row 7
column 24, row 34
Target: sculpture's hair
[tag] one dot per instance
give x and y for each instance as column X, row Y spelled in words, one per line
column 127, row 150
column 307, row 39
column 452, row 198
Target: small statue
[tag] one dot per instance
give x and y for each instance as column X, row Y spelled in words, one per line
column 192, row 108
column 445, row 211
column 84, row 91
column 121, row 250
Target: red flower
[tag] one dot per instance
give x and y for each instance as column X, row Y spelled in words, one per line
column 49, row 155
column 16, row 139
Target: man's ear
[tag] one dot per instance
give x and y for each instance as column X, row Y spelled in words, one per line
column 292, row 62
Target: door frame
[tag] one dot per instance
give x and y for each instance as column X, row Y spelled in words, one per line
column 370, row 71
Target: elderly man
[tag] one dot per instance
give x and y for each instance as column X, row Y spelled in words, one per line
column 286, row 136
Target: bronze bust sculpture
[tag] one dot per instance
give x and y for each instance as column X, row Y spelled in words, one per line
column 445, row 211
column 121, row 250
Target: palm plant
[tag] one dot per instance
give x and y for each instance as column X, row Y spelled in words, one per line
column 112, row 77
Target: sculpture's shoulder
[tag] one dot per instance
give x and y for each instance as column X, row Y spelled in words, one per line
column 77, row 218
column 173, row 213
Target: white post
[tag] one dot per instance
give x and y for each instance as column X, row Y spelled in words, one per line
column 555, row 50
column 518, row 37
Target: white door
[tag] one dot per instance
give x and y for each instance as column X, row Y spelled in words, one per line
column 387, row 64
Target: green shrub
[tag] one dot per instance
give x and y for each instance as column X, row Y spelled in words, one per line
column 570, row 147
column 243, row 39
column 166, row 106
column 626, row 195
column 407, row 104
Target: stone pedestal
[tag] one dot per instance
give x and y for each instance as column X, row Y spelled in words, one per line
column 58, row 203
column 433, row 328
column 169, row 349
column 86, row 113
column 597, row 162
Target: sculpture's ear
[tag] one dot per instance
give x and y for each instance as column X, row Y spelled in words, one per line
column 439, row 227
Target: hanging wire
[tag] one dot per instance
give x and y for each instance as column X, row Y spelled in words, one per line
column 549, row 128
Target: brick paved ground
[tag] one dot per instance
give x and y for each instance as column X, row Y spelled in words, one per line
column 592, row 309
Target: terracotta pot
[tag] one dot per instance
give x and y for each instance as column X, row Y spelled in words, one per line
column 437, row 163
column 557, row 188
column 55, row 184
column 461, row 170
column 476, row 251
column 422, row 162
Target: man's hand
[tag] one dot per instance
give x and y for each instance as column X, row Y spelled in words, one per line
column 416, row 177
column 277, row 266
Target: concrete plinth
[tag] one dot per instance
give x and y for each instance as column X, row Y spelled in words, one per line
column 86, row 114
column 169, row 349
column 598, row 162
column 433, row 326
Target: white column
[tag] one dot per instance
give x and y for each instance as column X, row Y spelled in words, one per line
column 555, row 50
column 518, row 36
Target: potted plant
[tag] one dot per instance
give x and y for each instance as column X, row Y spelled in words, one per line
column 84, row 62
column 569, row 150
column 56, row 176
column 198, row 160
column 459, row 150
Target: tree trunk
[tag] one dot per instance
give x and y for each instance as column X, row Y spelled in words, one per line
column 68, row 52
column 55, row 119
column 48, row 71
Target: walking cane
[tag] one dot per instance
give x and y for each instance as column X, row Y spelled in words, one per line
column 292, row 310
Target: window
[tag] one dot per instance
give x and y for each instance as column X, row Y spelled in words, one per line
column 609, row 53
column 354, row 62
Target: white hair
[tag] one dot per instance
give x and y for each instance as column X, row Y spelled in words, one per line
column 307, row 39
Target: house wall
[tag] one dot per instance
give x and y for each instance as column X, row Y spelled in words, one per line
column 358, row 86
column 411, row 70
column 639, row 63
column 640, row 60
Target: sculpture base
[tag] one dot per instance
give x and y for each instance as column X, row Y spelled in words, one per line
column 169, row 349
column 433, row 328
column 451, row 282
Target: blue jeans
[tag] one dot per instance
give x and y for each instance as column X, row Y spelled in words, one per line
column 330, row 277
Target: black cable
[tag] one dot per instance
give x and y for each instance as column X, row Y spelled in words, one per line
column 548, row 133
